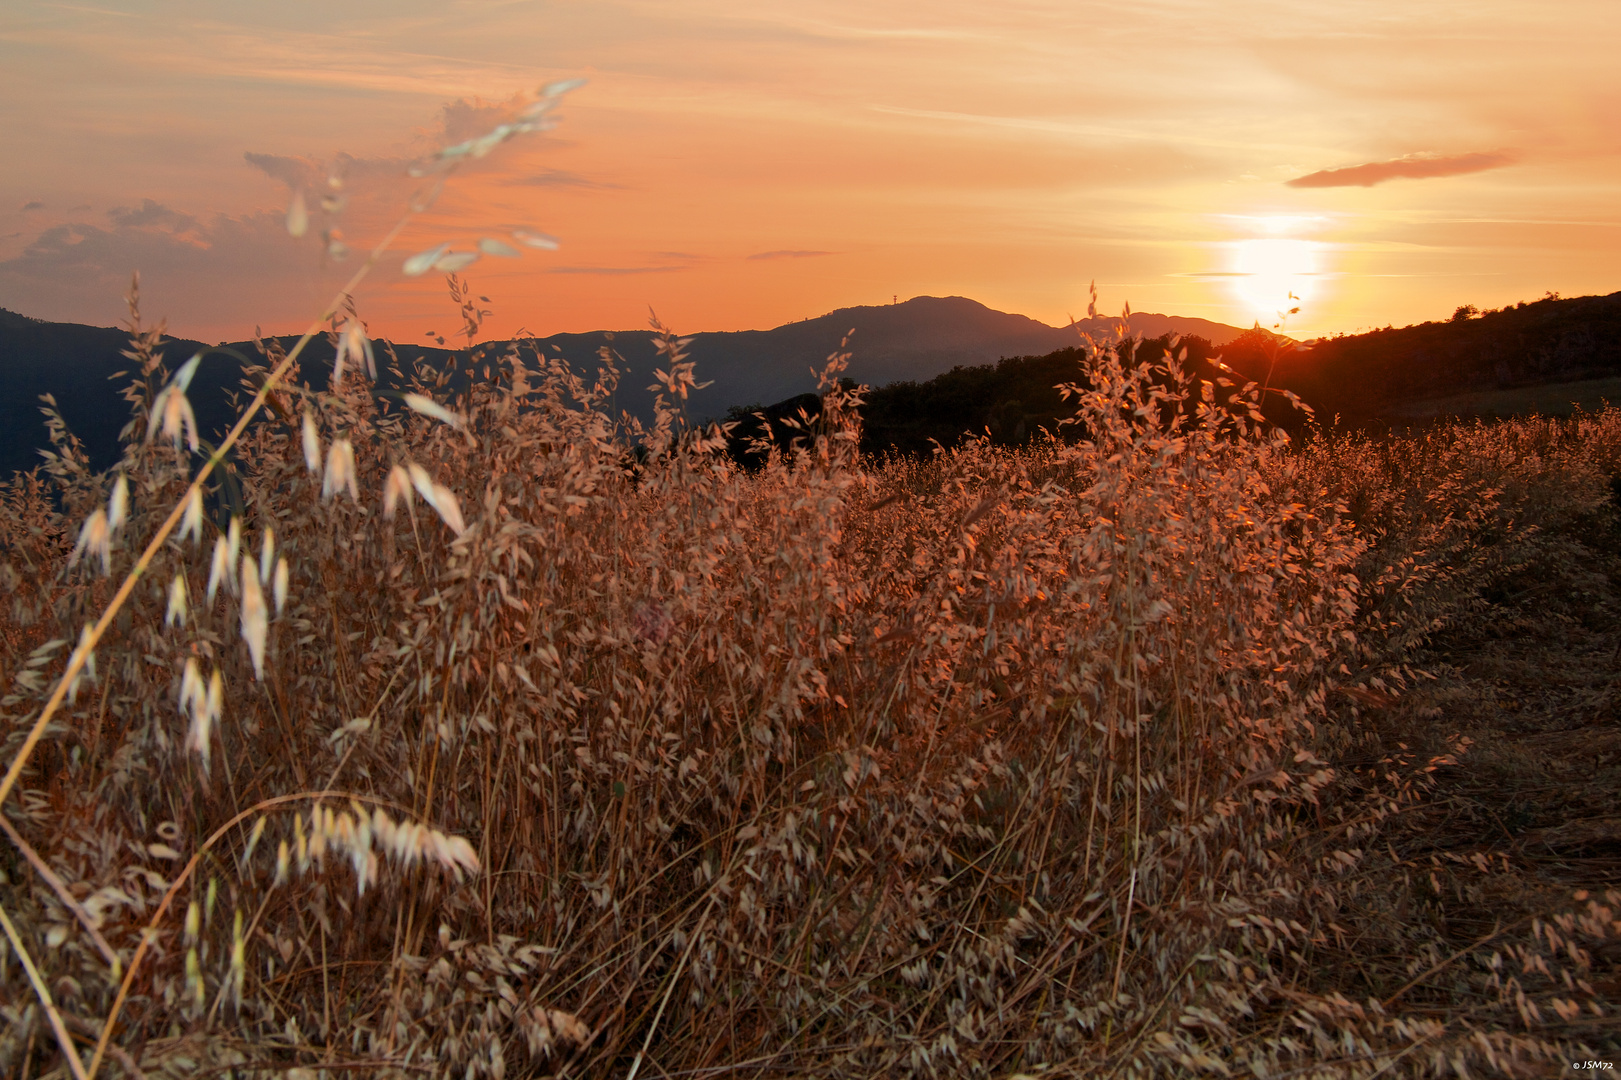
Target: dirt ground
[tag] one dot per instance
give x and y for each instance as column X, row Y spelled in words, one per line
column 1526, row 826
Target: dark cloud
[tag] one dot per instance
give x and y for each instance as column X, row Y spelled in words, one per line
column 564, row 178
column 790, row 254
column 197, row 272
column 34, row 205
column 151, row 213
column 1412, row 167
column 295, row 172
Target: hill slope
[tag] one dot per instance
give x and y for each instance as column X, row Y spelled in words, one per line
column 1383, row 374
column 915, row 340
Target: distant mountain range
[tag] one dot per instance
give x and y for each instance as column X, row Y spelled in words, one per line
column 910, row 341
column 946, row 365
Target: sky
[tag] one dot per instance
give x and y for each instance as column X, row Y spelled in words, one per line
column 739, row 166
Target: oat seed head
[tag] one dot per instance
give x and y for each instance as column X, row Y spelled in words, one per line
column 175, row 613
column 219, row 570
column 452, row 261
column 191, row 523
column 428, row 407
column 531, row 238
column 423, row 261
column 311, row 443
column 340, row 471
column 254, row 617
column 267, row 554
column 279, row 584
column 298, row 216
column 95, row 540
column 491, row 246
column 118, row 504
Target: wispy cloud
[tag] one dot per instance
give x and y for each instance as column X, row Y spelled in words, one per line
column 151, row 214
column 1078, row 129
column 464, row 119
column 1411, row 167
column 303, row 172
column 614, row 271
column 790, row 254
column 563, row 178
column 34, row 204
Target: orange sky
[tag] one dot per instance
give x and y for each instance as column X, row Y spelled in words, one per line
column 740, row 166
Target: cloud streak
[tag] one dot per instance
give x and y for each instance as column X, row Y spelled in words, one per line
column 1412, row 167
column 614, row 271
column 564, row 179
column 789, row 254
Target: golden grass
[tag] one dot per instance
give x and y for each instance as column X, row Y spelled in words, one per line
column 997, row 761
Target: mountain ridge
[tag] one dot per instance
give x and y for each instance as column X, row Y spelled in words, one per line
column 916, row 340
column 941, row 362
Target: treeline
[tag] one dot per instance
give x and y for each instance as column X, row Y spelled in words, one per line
column 1355, row 380
column 1361, row 377
column 1010, row 402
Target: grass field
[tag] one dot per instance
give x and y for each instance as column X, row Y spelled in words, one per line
column 1557, row 399
column 475, row 745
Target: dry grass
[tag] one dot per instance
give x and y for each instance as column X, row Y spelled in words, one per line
column 995, row 762
column 544, row 758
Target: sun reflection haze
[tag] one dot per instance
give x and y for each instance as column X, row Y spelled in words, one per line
column 1272, row 276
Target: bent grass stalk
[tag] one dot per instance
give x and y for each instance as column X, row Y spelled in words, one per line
column 69, row 901
column 93, row 634
column 148, row 935
column 62, row 1037
column 450, row 160
column 87, row 644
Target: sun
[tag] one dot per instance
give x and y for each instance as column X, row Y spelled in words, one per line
column 1272, row 276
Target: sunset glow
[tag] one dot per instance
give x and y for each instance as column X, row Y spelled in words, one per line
column 742, row 166
column 1274, row 276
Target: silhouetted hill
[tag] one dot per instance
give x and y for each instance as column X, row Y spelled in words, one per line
column 1382, row 374
column 1010, row 402
column 80, row 366
column 1387, row 376
column 74, row 364
column 942, row 366
column 914, row 340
